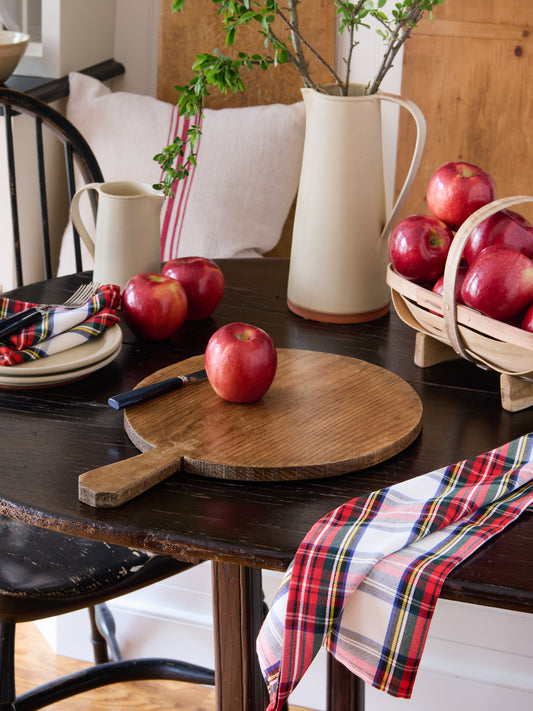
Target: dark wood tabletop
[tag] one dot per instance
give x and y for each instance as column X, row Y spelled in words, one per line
column 51, row 435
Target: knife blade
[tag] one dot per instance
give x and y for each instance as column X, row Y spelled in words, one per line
column 138, row 395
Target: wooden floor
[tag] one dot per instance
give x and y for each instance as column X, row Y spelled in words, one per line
column 35, row 663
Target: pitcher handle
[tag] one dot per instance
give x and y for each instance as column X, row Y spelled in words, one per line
column 420, row 122
column 76, row 217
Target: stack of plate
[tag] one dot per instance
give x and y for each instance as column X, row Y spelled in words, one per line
column 68, row 365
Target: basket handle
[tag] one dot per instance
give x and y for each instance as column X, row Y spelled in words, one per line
column 449, row 305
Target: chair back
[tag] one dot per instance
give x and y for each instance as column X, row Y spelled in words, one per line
column 76, row 152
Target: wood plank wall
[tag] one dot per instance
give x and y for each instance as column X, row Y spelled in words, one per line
column 471, row 73
column 197, row 30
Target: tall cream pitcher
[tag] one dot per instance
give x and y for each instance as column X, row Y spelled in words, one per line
column 127, row 239
column 339, row 249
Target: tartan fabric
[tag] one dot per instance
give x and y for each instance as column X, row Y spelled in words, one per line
column 366, row 578
column 60, row 328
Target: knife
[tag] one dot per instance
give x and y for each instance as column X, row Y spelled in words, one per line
column 20, row 320
column 138, row 395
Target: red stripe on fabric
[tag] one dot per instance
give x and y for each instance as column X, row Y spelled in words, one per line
column 172, row 131
column 184, row 199
column 176, row 207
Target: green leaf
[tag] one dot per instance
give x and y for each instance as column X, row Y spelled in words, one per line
column 230, row 36
column 394, row 20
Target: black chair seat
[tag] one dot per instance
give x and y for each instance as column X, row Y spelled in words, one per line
column 44, row 573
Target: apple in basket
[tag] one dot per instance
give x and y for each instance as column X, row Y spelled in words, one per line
column 438, row 286
column 499, row 283
column 154, row 306
column 527, row 321
column 504, row 227
column 240, row 361
column 456, row 190
column 418, row 248
column 203, row 282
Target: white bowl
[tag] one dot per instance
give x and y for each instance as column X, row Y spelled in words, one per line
column 12, row 48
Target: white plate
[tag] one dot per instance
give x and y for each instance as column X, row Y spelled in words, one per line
column 82, row 356
column 36, row 380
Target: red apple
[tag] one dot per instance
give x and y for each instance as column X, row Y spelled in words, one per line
column 154, row 306
column 504, row 227
column 418, row 248
column 438, row 286
column 458, row 189
column 203, row 282
column 240, row 361
column 499, row 283
column 527, row 321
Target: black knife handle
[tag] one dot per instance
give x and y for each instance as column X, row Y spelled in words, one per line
column 18, row 321
column 138, row 395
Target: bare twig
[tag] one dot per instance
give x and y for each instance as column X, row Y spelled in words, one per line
column 298, row 41
column 352, row 43
column 397, row 39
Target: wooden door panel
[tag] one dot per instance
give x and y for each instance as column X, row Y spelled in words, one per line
column 473, row 81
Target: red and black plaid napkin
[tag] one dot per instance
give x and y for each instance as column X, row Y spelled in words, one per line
column 60, row 328
column 366, row 578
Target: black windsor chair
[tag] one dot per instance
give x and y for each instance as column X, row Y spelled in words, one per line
column 45, row 573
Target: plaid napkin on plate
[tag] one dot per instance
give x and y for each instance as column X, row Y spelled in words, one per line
column 59, row 328
column 366, row 578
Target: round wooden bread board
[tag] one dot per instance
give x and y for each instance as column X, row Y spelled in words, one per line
column 324, row 415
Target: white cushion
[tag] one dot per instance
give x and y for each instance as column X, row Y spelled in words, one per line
column 234, row 203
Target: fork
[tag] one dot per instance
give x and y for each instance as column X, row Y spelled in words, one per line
column 25, row 318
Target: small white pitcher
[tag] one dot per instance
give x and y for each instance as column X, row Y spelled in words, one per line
column 128, row 233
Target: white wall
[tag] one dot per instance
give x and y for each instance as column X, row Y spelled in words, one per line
column 77, row 34
column 136, row 33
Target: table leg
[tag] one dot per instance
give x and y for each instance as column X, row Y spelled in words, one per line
column 346, row 692
column 238, row 615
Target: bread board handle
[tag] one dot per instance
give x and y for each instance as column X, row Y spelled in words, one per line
column 114, row 484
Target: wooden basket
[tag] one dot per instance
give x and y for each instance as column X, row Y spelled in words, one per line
column 446, row 330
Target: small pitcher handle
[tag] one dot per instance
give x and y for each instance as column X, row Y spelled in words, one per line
column 76, row 217
column 420, row 122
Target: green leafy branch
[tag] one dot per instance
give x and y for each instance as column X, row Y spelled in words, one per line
column 282, row 42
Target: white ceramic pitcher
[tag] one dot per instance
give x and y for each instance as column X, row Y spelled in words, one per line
column 339, row 248
column 128, row 233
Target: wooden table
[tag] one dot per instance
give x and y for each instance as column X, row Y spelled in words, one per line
column 52, row 435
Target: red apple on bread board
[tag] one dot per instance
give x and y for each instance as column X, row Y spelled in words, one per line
column 240, row 361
